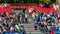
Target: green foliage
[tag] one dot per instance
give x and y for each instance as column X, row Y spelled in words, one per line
column 3, row 1
column 27, row 1
column 46, row 1
column 14, row 0
column 0, row 1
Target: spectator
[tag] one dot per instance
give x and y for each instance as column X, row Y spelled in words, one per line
column 26, row 18
column 6, row 4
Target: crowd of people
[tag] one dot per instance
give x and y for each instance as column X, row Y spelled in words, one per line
column 10, row 23
column 45, row 22
column 42, row 21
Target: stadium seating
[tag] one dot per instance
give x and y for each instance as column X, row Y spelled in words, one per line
column 27, row 26
column 44, row 10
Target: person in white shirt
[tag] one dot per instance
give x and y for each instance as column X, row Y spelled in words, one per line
column 56, row 6
column 31, row 9
column 6, row 4
column 26, row 17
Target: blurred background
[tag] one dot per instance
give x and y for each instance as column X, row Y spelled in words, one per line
column 28, row 1
column 29, row 16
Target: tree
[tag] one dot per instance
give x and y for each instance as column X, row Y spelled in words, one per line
column 14, row 1
column 46, row 1
column 0, row 1
column 3, row 1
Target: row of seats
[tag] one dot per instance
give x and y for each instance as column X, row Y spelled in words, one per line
column 5, row 9
column 42, row 9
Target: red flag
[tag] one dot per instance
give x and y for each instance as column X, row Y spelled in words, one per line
column 52, row 31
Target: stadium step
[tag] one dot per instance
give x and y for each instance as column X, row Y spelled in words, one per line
column 29, row 28
column 27, row 24
column 34, row 33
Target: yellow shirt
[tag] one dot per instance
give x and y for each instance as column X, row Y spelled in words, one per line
column 17, row 27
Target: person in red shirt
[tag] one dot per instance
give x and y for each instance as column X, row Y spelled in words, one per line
column 52, row 31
